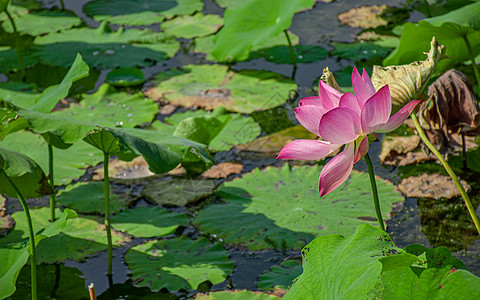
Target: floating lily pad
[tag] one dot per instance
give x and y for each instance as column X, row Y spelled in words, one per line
column 236, row 128
column 280, row 208
column 178, row 191
column 42, row 21
column 69, row 164
column 56, row 281
column 80, row 238
column 211, row 86
column 281, row 276
column 103, row 48
column 178, row 264
column 149, row 221
column 9, row 61
column 140, row 12
column 188, row 27
column 125, row 77
column 281, row 54
column 109, row 108
column 360, row 51
column 87, row 197
column 235, row 295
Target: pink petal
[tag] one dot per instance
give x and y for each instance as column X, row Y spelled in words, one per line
column 309, row 116
column 340, row 126
column 348, row 100
column 309, row 101
column 336, row 170
column 376, row 111
column 398, row 118
column 328, row 99
column 307, row 150
column 362, row 86
column 361, row 150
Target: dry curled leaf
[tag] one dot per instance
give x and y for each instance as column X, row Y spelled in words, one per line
column 407, row 82
column 329, row 79
column 6, row 224
column 137, row 168
column 364, row 16
column 430, row 186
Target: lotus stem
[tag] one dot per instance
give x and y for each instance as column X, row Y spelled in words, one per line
column 52, row 183
column 91, row 291
column 449, row 170
column 62, row 5
column 106, row 192
column 464, row 152
column 292, row 52
column 472, row 58
column 373, row 184
column 33, row 258
column 17, row 46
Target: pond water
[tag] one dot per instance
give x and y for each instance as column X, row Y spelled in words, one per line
column 431, row 222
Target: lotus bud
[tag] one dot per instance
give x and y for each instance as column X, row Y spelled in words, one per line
column 407, row 82
column 329, row 79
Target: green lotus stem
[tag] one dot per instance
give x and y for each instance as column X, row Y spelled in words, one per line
column 52, row 183
column 17, row 45
column 373, row 184
column 427, row 7
column 472, row 58
column 33, row 258
column 290, row 48
column 106, row 193
column 449, row 170
column 62, row 5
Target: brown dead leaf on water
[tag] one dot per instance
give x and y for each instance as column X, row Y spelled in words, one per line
column 400, row 151
column 430, row 186
column 364, row 16
column 223, row 170
column 6, row 224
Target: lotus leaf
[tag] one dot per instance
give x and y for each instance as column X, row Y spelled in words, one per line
column 235, row 295
column 178, row 264
column 9, row 62
column 360, row 51
column 81, row 236
column 281, row 208
column 140, row 12
column 109, row 108
column 43, row 21
column 125, row 77
column 103, row 48
column 211, row 86
column 87, row 197
column 251, row 23
column 280, row 276
column 149, row 221
column 25, row 173
column 188, row 27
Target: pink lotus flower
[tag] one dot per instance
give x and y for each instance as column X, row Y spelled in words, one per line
column 343, row 120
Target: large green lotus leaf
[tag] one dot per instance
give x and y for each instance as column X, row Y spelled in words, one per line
column 140, row 12
column 281, row 208
column 178, row 264
column 281, row 54
column 264, row 48
column 438, row 275
column 9, row 60
column 449, row 30
column 280, row 276
column 188, row 27
column 125, row 77
column 24, row 172
column 43, row 21
column 436, row 7
column 110, row 108
column 21, row 97
column 360, row 51
column 178, row 191
column 211, row 86
column 149, row 221
column 103, row 48
column 88, row 197
column 236, row 295
column 349, row 267
column 54, row 281
column 250, row 24
column 14, row 255
column 69, row 164
column 10, row 123
column 237, row 129
column 81, row 236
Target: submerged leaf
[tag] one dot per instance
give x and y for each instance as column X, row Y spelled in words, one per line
column 407, row 82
